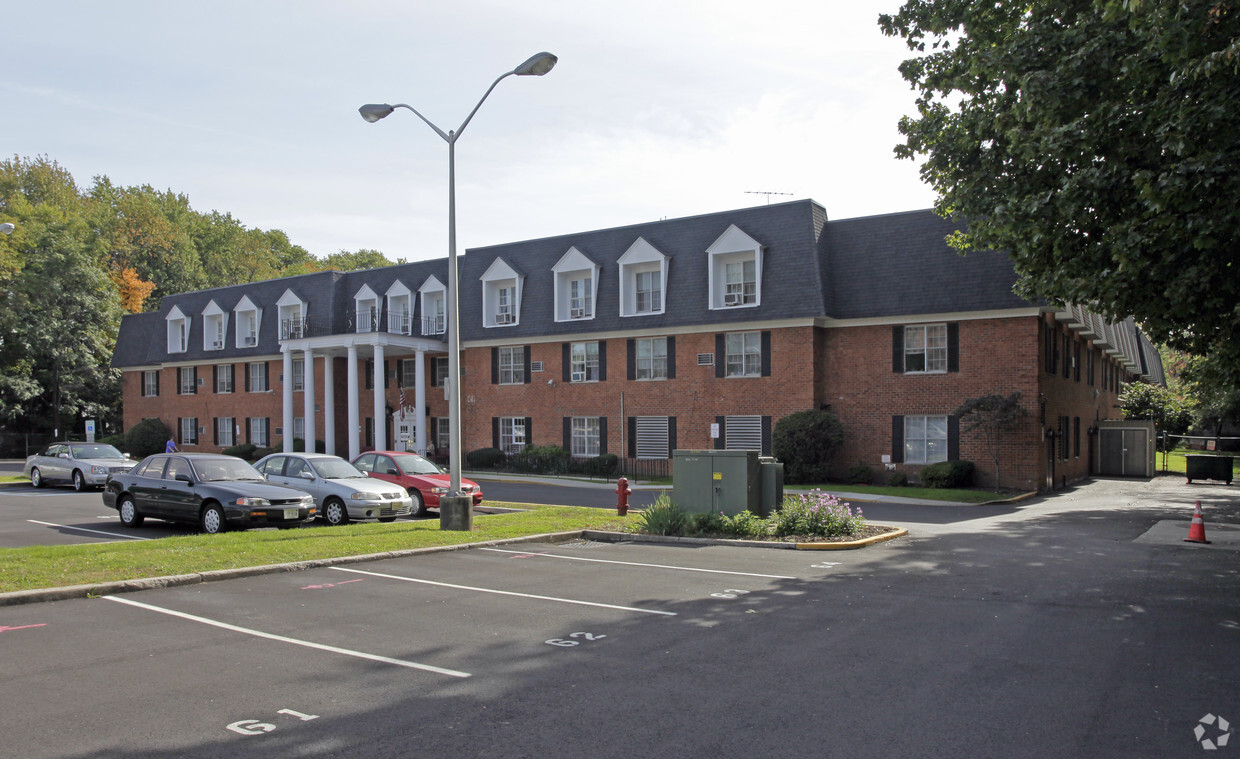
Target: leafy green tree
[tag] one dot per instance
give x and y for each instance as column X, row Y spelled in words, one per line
column 1170, row 413
column 1214, row 391
column 991, row 416
column 362, row 259
column 806, row 442
column 1097, row 142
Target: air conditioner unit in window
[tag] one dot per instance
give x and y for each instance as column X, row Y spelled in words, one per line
column 503, row 318
column 576, row 313
column 217, row 345
column 200, row 382
column 579, row 376
column 733, row 299
column 251, row 341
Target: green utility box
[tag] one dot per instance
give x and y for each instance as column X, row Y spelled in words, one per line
column 772, row 484
column 724, row 482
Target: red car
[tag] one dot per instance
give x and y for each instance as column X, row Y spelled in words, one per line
column 424, row 480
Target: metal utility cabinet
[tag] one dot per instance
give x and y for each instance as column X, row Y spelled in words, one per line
column 726, row 482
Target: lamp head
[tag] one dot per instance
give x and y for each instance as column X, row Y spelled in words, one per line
column 536, row 65
column 372, row 112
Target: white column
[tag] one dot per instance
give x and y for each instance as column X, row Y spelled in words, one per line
column 353, row 411
column 329, row 404
column 419, row 402
column 288, row 402
column 380, row 416
column 309, row 400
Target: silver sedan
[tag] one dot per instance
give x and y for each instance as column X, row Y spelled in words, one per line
column 85, row 465
column 341, row 491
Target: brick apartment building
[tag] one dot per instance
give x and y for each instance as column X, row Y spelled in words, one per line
column 643, row 339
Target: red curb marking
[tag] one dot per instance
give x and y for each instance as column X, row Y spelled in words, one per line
column 4, row 629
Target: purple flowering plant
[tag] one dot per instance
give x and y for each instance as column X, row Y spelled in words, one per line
column 817, row 513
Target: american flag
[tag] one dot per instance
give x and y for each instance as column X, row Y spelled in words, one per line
column 402, row 404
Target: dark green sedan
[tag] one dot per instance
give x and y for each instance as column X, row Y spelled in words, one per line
column 215, row 492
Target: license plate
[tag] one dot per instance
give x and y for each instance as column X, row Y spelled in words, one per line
column 292, row 513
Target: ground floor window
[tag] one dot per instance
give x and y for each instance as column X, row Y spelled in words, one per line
column 443, row 432
column 511, row 434
column 258, row 432
column 585, row 436
column 299, row 428
column 189, row 430
column 925, row 439
column 224, row 429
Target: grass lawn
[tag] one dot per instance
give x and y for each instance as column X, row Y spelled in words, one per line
column 59, row 566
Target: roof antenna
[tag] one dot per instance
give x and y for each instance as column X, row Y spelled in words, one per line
column 767, row 194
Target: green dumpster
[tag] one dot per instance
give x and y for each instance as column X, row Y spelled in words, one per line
column 1204, row 467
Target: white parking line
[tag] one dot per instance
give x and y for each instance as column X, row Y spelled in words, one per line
column 293, row 641
column 506, row 592
column 84, row 529
column 639, row 564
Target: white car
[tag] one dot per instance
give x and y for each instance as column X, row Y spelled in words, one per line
column 86, row 465
column 339, row 489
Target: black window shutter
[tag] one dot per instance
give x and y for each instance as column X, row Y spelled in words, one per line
column 766, row 436
column 495, row 432
column 953, row 438
column 267, row 376
column 267, row 427
column 249, row 437
column 385, row 374
column 215, row 430
column 953, row 347
column 215, row 380
column 529, row 430
column 671, row 357
column 495, row 367
column 434, row 431
column 897, row 348
column 180, row 427
column 632, row 432
column 400, row 373
column 766, row 353
column 568, row 434
column 525, row 351
column 897, row 439
column 193, row 373
column 245, row 369
column 157, row 373
column 370, row 374
column 671, row 435
column 602, row 360
column 602, row 435
column 566, row 360
column 723, row 425
column 631, row 360
column 721, row 357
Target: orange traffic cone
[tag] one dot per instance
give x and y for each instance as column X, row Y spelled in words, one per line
column 1197, row 530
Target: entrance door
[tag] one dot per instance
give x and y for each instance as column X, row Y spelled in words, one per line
column 1123, row 453
column 405, row 434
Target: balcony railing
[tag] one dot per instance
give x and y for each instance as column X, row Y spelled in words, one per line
column 295, row 328
column 433, row 325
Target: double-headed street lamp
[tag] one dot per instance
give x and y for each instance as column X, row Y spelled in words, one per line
column 536, row 65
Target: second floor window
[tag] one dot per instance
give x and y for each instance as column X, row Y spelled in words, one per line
column 224, row 378
column 299, row 375
column 925, row 348
column 651, row 358
column 579, row 299
column 150, row 384
column 744, row 354
column 188, row 380
column 584, row 367
column 258, row 378
column 512, row 365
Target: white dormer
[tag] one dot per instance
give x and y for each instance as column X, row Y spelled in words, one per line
column 735, row 267
column 248, row 317
column 643, row 280
column 399, row 308
column 214, row 322
column 178, row 330
column 292, row 316
column 366, row 307
column 576, row 286
column 501, row 295
column 434, row 306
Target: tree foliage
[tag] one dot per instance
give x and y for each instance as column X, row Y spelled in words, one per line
column 991, row 416
column 1170, row 412
column 1098, row 143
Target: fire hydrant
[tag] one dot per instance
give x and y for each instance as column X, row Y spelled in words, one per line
column 623, row 491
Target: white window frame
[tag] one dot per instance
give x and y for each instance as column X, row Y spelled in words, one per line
column 434, row 306
column 299, row 375
column 923, row 445
column 653, row 365
column 187, row 380
column 511, row 367
column 643, row 259
column 292, row 313
column 213, row 327
column 367, row 306
column 501, row 295
column 189, row 430
column 585, row 436
column 249, row 319
column 734, row 248
column 443, row 434
column 743, row 354
column 299, row 430
column 150, row 383
column 400, row 309
column 225, row 431
column 584, row 362
column 260, row 436
column 576, row 286
column 178, row 330
column 225, row 378
column 439, row 370
column 925, row 345
column 258, row 377
column 511, row 434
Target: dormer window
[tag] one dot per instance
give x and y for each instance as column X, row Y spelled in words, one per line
column 213, row 325
column 248, row 318
column 576, row 285
column 735, row 269
column 178, row 330
column 400, row 309
column 292, row 316
column 366, row 303
column 501, row 295
column 643, row 280
column 434, row 306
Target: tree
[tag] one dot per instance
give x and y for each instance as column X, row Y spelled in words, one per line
column 1170, row 413
column 1095, row 142
column 362, row 259
column 991, row 416
column 806, row 442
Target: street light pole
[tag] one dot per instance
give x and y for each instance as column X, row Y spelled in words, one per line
column 536, row 65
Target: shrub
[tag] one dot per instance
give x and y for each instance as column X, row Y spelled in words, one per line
column 806, row 442
column 542, row 459
column 816, row 513
column 258, row 453
column 897, row 480
column 116, row 441
column 245, row 451
column 948, row 474
column 603, row 465
column 662, row 518
column 485, row 458
column 299, row 445
column 860, row 474
column 146, row 437
column 710, row 523
column 745, row 525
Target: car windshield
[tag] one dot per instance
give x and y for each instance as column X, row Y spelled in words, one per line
column 414, row 464
column 95, row 451
column 335, row 469
column 223, row 469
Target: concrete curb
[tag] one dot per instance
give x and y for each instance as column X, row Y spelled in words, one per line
column 637, row 537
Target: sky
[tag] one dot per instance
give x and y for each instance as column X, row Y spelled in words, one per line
column 657, row 109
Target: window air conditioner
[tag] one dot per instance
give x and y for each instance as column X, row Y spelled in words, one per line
column 733, row 299
column 251, row 341
column 217, row 345
column 576, row 313
column 503, row 318
column 579, row 376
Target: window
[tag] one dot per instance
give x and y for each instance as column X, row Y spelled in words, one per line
column 189, row 430
column 178, row 331
column 585, row 436
column 408, row 373
column 248, row 318
column 735, row 270
column 292, row 312
column 925, row 348
column 224, row 429
column 584, row 366
column 580, row 299
column 743, row 354
column 439, row 371
column 434, row 300
column 925, row 439
column 400, row 309
column 1076, row 361
column 187, row 380
column 501, row 295
column 649, row 292
column 213, row 327
column 1089, row 366
column 1076, row 436
column 224, row 378
column 258, row 377
column 504, row 310
column 651, row 360
column 511, row 434
column 575, row 278
column 741, row 285
column 643, row 280
column 258, row 432
column 299, row 375
column 511, row 365
column 299, row 428
column 150, row 384
column 442, row 434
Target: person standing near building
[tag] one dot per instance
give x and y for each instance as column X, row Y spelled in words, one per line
column 171, row 447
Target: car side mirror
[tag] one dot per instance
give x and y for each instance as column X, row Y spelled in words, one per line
column 306, row 475
column 184, row 478
column 393, row 472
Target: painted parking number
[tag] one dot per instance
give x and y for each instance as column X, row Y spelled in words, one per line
column 581, row 636
column 729, row 593
column 254, row 727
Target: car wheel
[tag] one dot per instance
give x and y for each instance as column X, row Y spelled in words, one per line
column 36, row 478
column 213, row 519
column 129, row 513
column 419, row 505
column 334, row 512
column 79, row 482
